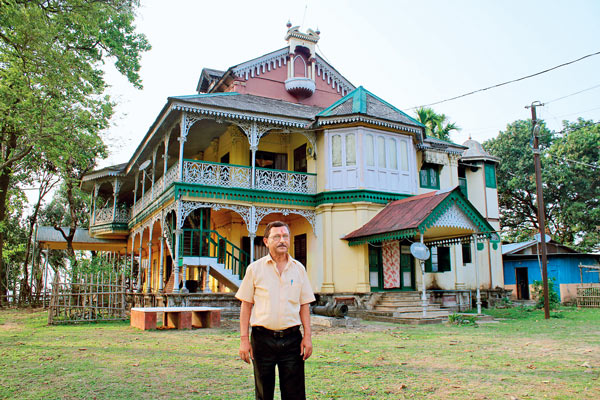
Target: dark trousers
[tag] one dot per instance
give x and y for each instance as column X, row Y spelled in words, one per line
column 282, row 349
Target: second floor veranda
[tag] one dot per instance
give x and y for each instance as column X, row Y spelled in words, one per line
column 196, row 150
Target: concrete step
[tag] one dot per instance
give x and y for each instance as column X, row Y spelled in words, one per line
column 419, row 315
column 409, row 321
column 400, row 303
column 407, row 309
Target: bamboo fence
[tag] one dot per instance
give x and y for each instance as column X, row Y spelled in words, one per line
column 89, row 298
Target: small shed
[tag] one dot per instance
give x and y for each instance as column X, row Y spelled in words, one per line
column 522, row 266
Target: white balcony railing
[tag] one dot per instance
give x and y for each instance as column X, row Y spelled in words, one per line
column 238, row 176
column 231, row 176
column 285, row 181
column 213, row 174
column 105, row 216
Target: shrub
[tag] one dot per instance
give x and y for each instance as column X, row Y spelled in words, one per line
column 538, row 290
column 461, row 319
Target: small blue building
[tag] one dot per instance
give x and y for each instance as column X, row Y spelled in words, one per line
column 522, row 266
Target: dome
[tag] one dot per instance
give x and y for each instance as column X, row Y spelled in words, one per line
column 475, row 151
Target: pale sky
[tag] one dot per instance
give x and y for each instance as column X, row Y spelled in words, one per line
column 408, row 53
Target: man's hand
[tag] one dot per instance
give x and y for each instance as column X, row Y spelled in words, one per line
column 306, row 347
column 246, row 350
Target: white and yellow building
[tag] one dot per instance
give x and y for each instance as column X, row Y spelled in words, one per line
column 286, row 137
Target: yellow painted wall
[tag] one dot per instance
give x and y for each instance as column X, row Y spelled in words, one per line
column 345, row 268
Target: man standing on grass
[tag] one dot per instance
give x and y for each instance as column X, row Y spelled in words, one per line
column 275, row 296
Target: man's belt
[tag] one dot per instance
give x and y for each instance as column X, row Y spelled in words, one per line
column 277, row 334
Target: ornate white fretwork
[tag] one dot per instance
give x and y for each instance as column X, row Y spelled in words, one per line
column 261, row 212
column 268, row 62
column 188, row 206
column 223, row 175
column 454, row 217
column 105, row 215
column 283, row 181
column 187, row 121
column 254, row 131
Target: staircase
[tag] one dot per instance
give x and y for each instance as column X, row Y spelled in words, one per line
column 225, row 261
column 406, row 308
column 216, row 269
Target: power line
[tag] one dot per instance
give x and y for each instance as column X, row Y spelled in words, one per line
column 507, row 82
column 572, row 94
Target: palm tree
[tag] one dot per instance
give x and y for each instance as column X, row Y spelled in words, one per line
column 436, row 125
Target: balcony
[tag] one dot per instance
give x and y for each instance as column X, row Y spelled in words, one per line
column 106, row 216
column 110, row 225
column 240, row 176
column 231, row 176
column 300, row 87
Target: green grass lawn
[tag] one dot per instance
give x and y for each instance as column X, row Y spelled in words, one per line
column 523, row 356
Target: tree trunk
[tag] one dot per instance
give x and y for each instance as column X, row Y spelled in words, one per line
column 4, row 184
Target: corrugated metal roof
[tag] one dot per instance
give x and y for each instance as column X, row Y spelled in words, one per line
column 49, row 234
column 252, row 103
column 512, row 247
column 361, row 101
column 401, row 215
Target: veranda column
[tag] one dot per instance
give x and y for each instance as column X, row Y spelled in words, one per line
column 475, row 262
column 252, row 231
column 132, row 261
column 135, row 188
column 116, row 187
column 161, row 273
column 207, row 281
column 94, row 196
column 176, row 260
column 184, row 278
column 424, row 299
column 149, row 266
column 153, row 170
column 184, row 127
column 139, row 277
column 165, row 160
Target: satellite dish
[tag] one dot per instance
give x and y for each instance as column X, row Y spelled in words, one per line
column 538, row 238
column 145, row 165
column 419, row 251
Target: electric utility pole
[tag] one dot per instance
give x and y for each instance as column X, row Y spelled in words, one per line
column 540, row 202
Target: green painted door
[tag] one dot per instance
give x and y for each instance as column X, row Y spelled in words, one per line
column 407, row 263
column 375, row 268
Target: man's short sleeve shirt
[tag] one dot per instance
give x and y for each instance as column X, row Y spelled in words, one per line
column 276, row 298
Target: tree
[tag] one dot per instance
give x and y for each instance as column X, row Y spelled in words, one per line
column 436, row 125
column 51, row 78
column 573, row 165
column 571, row 194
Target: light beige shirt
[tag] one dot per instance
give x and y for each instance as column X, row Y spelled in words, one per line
column 276, row 298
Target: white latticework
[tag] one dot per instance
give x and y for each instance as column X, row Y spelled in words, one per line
column 105, row 215
column 188, row 206
column 122, row 215
column 454, row 217
column 285, row 182
column 223, row 175
column 261, row 212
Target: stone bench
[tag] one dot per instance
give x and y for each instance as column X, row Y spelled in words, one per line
column 176, row 317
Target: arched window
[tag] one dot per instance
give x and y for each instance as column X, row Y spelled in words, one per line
column 299, row 67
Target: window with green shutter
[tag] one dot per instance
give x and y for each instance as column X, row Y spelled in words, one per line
column 439, row 260
column 490, row 175
column 429, row 176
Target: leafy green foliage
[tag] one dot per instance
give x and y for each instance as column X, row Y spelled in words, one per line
column 538, row 292
column 461, row 319
column 571, row 182
column 52, row 102
column 436, row 125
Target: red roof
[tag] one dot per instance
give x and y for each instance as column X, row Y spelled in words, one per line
column 402, row 214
